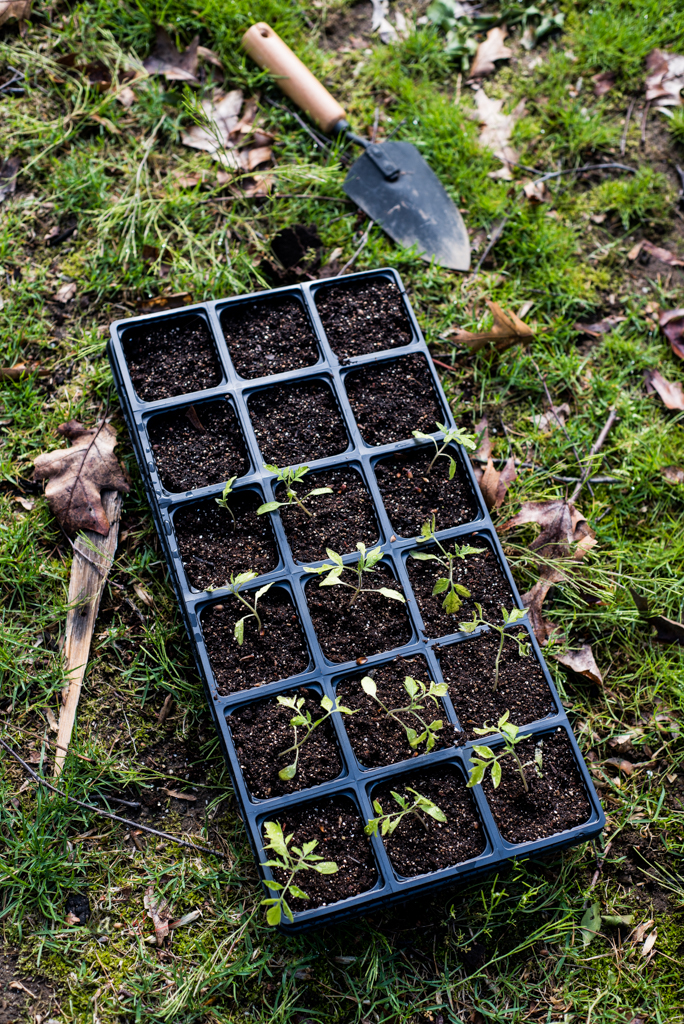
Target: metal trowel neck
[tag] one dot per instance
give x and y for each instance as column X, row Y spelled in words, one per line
column 374, row 151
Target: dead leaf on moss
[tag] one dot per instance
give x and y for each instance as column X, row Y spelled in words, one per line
column 670, row 392
column 664, row 255
column 554, row 416
column 19, row 9
column 665, row 79
column 672, row 324
column 673, row 474
column 537, row 192
column 8, row 175
column 65, row 292
column 159, row 913
column 669, row 631
column 603, row 82
column 166, row 60
column 533, row 601
column 126, row 97
column 605, row 326
column 508, row 329
column 490, row 49
column 496, row 130
column 495, row 483
column 76, row 476
column 582, row 662
column 212, row 58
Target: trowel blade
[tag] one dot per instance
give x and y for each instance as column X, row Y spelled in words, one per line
column 414, row 209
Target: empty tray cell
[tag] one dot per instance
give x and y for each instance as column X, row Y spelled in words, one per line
column 479, row 573
column 296, row 423
column 371, row 625
column 171, row 357
column 555, row 800
column 393, row 399
column 421, row 843
column 214, row 544
column 469, row 669
column 413, row 491
column 366, row 316
column 338, row 520
column 280, row 653
column 197, row 446
column 337, row 829
column 378, row 734
column 267, row 336
column 262, row 734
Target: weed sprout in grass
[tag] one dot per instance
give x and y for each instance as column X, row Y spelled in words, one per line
column 302, row 719
column 223, row 500
column 454, row 591
column 487, row 758
column 236, row 582
column 419, row 694
column 450, row 434
column 291, row 860
column 387, row 823
column 291, row 476
column 515, row 615
column 366, row 563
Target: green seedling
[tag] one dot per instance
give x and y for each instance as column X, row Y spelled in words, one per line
column 366, row 563
column 236, row 582
column 419, row 695
column 291, row 860
column 487, row 758
column 450, row 434
column 515, row 615
column 453, row 592
column 290, row 477
column 302, row 720
column 387, row 823
column 223, row 500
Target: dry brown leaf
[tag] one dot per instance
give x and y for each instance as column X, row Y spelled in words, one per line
column 669, row 631
column 507, row 330
column 665, row 79
column 52, row 721
column 533, row 601
column 159, row 914
column 144, row 595
column 8, row 175
column 260, row 186
column 496, row 130
column 19, row 986
column 603, row 82
column 210, row 56
column 21, row 10
column 537, row 192
column 65, row 292
column 20, row 370
column 166, row 60
column 255, row 155
column 649, row 943
column 72, row 919
column 582, row 662
column 180, row 796
column 165, row 709
column 223, row 114
column 26, row 503
column 75, row 476
column 160, row 302
column 672, row 324
column 640, row 930
column 495, row 483
column 126, row 97
column 664, row 255
column 620, row 762
column 554, row 416
column 564, row 530
column 106, row 123
column 670, row 392
column 673, row 474
column 490, row 49
column 605, row 326
column 484, row 450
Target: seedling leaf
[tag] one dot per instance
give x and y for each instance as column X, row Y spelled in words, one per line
column 368, row 686
column 393, row 595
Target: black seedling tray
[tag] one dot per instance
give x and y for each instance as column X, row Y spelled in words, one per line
column 355, row 782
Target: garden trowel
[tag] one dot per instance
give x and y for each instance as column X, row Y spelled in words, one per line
column 391, row 182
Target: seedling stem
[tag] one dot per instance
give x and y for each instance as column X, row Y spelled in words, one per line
column 487, row 758
column 291, row 476
column 302, row 719
column 305, row 860
column 419, row 695
column 515, row 615
column 387, row 823
column 450, row 434
column 365, row 563
column 236, row 582
column 454, row 591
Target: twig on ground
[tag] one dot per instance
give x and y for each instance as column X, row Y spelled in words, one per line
column 445, row 366
column 628, row 115
column 497, row 232
column 278, row 195
column 351, row 261
column 108, row 814
column 318, row 139
column 595, row 448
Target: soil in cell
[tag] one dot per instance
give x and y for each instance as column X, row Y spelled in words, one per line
column 412, row 495
column 198, row 445
column 296, row 423
column 174, row 358
column 363, row 316
column 392, row 400
column 267, row 336
column 371, row 625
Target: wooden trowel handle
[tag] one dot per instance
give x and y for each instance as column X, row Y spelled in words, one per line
column 268, row 50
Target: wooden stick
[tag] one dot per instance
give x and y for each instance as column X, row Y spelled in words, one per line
column 595, row 448
column 93, row 557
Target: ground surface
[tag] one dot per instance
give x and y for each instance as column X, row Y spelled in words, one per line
column 511, row 950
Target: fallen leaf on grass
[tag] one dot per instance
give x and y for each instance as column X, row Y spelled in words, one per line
column 621, row 763
column 165, row 709
column 75, row 476
column 65, row 293
column 554, row 416
column 664, row 255
column 28, row 504
column 669, row 631
column 18, row 986
column 582, row 662
column 8, row 173
column 507, row 330
column 665, row 79
column 496, row 130
column 126, row 97
column 537, row 192
column 185, row 919
column 490, row 49
column 180, row 796
column 21, row 10
column 166, row 60
column 159, row 914
column 670, row 392
column 649, row 943
column 223, row 115
column 672, row 324
column 603, row 82
column 640, row 930
column 20, row 370
column 484, row 450
column 252, row 157
column 144, row 595
column 591, row 923
column 52, row 721
column 213, row 58
column 605, row 326
column 673, row 474
column 495, row 483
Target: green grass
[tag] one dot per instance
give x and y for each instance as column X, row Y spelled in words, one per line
column 509, row 950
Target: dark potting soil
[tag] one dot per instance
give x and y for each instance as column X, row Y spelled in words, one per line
column 188, row 457
column 468, row 668
column 411, row 496
column 261, row 732
column 280, row 653
column 267, row 336
column 213, row 546
column 392, row 400
column 376, row 738
column 175, row 358
column 419, row 845
column 336, row 826
column 338, row 520
column 372, row 625
column 480, row 574
column 555, row 802
column 367, row 316
column 295, row 423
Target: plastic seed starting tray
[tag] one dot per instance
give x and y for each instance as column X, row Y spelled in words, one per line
column 355, row 782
